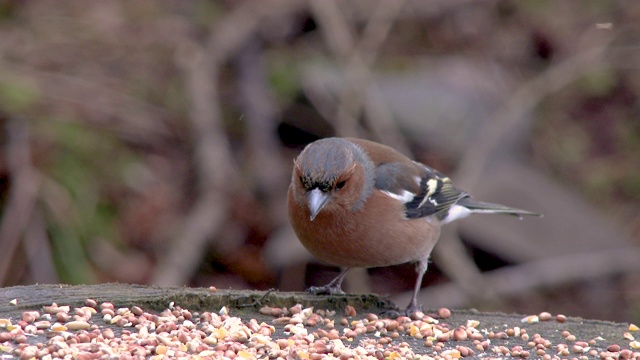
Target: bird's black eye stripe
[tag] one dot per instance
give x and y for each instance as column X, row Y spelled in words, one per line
column 304, row 181
column 341, row 184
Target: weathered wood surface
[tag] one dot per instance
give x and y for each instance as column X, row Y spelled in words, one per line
column 158, row 298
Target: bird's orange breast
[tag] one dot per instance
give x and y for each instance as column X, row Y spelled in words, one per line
column 375, row 235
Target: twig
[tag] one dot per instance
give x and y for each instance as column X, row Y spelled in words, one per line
column 259, row 301
column 229, row 36
column 260, row 114
column 479, row 153
column 22, row 194
column 213, row 158
column 547, row 272
column 38, row 251
column 359, row 92
column 523, row 101
column 214, row 167
column 131, row 118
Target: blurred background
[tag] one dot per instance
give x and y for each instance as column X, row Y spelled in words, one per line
column 151, row 142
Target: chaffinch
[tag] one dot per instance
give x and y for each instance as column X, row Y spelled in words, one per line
column 357, row 203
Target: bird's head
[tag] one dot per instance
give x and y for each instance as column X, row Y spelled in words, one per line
column 331, row 172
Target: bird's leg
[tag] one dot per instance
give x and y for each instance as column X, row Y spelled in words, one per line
column 334, row 287
column 413, row 306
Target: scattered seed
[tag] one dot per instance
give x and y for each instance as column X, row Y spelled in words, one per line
column 473, row 323
column 58, row 327
column 350, row 311
column 107, row 305
column 108, row 333
column 530, row 319
column 444, row 313
column 277, row 312
column 179, row 333
column 613, row 348
column 577, row 349
column 561, row 318
column 460, row 334
column 544, row 316
column 78, row 325
column 418, row 315
column 30, row 316
column 428, row 343
column 465, row 351
column 44, row 324
column 372, row 317
column 265, row 310
column 281, row 321
column 296, row 309
column 633, row 327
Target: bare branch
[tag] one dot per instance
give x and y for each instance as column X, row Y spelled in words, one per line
column 22, row 194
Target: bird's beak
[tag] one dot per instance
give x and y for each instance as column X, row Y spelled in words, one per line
column 316, row 199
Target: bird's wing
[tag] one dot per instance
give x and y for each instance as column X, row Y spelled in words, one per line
column 423, row 190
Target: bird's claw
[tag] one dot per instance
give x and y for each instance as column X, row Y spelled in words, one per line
column 325, row 290
column 408, row 312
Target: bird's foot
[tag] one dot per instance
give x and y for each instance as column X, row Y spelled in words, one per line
column 325, row 290
column 411, row 312
column 391, row 314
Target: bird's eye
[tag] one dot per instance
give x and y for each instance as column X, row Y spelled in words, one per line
column 341, row 184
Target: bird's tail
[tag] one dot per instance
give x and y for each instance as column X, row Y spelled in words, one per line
column 490, row 208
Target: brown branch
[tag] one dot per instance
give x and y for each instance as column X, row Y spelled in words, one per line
column 38, row 251
column 230, row 35
column 357, row 58
column 214, row 167
column 340, row 40
column 213, row 158
column 130, row 117
column 487, row 142
column 523, row 101
column 259, row 111
column 22, row 194
column 546, row 272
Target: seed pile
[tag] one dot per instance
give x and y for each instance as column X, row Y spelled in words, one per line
column 103, row 331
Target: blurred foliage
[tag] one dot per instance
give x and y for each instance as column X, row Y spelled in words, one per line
column 592, row 143
column 16, row 96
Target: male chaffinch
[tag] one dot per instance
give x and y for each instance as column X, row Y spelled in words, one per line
column 357, row 203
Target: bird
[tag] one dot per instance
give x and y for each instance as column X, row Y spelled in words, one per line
column 357, row 203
